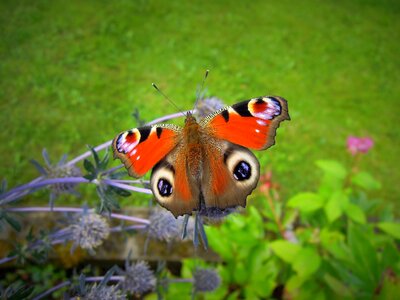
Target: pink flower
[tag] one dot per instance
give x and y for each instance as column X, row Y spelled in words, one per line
column 359, row 145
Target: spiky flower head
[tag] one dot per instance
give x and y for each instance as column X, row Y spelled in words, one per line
column 58, row 170
column 139, row 279
column 206, row 106
column 104, row 292
column 163, row 226
column 205, row 280
column 89, row 230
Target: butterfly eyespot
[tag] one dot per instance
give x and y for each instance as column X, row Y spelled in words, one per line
column 242, row 171
column 243, row 166
column 164, row 187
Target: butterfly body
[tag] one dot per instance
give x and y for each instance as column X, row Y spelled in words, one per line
column 205, row 164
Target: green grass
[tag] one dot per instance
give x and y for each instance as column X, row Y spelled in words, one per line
column 71, row 73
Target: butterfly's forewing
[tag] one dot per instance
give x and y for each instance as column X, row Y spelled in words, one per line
column 141, row 148
column 250, row 123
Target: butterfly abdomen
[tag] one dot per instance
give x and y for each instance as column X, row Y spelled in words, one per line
column 193, row 148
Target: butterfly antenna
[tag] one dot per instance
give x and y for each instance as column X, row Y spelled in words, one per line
column 165, row 96
column 201, row 88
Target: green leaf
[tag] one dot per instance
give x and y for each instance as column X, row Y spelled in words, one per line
column 333, row 241
column 390, row 228
column 364, row 255
column 219, row 243
column 337, row 286
column 294, row 282
column 306, row 262
column 306, row 202
column 285, row 250
column 355, row 213
column 333, row 208
column 332, row 167
column 241, row 274
column 390, row 288
column 366, row 181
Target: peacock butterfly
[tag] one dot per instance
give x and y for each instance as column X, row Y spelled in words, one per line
column 205, row 164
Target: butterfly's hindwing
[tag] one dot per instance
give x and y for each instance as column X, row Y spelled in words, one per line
column 229, row 176
column 173, row 188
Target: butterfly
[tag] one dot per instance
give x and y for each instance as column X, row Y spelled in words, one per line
column 207, row 163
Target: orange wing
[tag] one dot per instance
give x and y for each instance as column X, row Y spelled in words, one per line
column 141, row 148
column 250, row 123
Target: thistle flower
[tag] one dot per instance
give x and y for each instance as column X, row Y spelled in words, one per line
column 58, row 170
column 89, row 231
column 205, row 280
column 357, row 145
column 163, row 226
column 112, row 292
column 208, row 105
column 139, row 279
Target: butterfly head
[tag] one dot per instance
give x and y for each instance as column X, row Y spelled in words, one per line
column 190, row 118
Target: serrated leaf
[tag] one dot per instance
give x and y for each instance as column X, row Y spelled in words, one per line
column 89, row 177
column 38, row 167
column 355, row 213
column 366, row 181
column 332, row 167
column 285, row 250
column 95, row 155
column 18, row 291
column 390, row 228
column 107, row 276
column 3, row 187
column 12, row 222
column 306, row 202
column 46, row 157
column 120, row 192
column 104, row 162
column 203, row 235
column 87, row 164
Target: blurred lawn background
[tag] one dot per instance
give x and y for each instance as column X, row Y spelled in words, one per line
column 72, row 73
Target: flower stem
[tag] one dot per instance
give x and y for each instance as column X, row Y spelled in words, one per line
column 53, row 289
column 127, row 187
column 7, row 259
column 38, row 184
column 75, row 210
column 132, row 227
column 276, row 217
